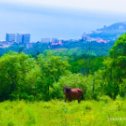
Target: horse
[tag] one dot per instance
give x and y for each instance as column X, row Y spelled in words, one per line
column 73, row 94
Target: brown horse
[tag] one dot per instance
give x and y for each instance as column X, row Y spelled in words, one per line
column 73, row 94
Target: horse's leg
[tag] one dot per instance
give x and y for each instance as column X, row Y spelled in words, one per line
column 65, row 99
column 70, row 99
column 79, row 100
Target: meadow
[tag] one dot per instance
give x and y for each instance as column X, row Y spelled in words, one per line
column 105, row 112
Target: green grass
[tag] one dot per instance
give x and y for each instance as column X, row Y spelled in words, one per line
column 58, row 113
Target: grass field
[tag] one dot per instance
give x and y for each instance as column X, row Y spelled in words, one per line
column 58, row 113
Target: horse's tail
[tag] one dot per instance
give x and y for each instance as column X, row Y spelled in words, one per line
column 82, row 96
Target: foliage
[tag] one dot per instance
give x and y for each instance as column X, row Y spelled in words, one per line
column 119, row 47
column 115, row 71
column 51, row 67
column 23, row 77
column 14, row 72
column 86, row 64
column 91, row 85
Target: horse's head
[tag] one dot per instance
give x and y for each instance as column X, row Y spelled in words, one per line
column 67, row 89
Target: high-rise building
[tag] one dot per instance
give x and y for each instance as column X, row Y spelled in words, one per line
column 23, row 38
column 10, row 37
column 19, row 38
column 26, row 38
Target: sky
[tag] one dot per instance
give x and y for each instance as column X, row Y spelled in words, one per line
column 62, row 19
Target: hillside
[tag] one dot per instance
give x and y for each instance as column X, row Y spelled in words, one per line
column 111, row 32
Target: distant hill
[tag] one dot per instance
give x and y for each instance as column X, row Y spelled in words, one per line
column 110, row 33
column 97, row 42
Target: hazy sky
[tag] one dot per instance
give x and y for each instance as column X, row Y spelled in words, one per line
column 63, row 19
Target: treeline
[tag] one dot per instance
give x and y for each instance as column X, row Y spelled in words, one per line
column 67, row 48
column 43, row 77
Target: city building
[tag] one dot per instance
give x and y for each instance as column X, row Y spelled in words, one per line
column 19, row 38
column 10, row 37
column 26, row 38
column 23, row 38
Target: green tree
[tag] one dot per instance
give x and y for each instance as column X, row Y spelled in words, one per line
column 52, row 67
column 116, row 67
column 119, row 48
column 14, row 69
column 86, row 64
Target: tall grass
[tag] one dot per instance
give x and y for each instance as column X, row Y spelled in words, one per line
column 58, row 113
